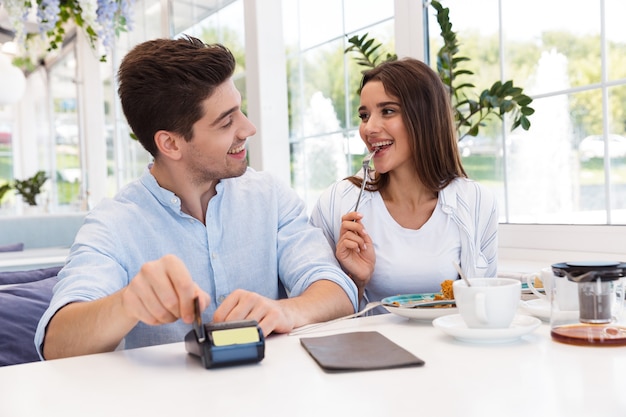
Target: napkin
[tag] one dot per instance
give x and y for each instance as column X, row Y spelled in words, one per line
column 358, row 351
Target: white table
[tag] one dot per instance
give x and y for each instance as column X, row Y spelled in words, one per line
column 531, row 377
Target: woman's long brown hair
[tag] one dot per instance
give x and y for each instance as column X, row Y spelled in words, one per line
column 427, row 115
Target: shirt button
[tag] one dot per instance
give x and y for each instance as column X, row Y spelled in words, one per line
column 221, row 298
column 174, row 200
column 213, row 255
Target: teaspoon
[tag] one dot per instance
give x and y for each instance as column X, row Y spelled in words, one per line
column 460, row 271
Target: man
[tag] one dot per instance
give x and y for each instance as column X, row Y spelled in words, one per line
column 198, row 223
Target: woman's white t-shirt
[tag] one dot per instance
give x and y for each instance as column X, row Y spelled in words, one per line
column 410, row 261
column 462, row 228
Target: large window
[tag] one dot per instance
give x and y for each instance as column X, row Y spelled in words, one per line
column 126, row 158
column 322, row 82
column 69, row 147
column 218, row 22
column 6, row 156
column 47, row 138
column 570, row 167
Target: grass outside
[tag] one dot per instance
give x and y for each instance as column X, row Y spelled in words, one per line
column 488, row 170
column 483, row 168
column 592, row 171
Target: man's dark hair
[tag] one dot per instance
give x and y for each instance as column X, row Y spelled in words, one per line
column 163, row 82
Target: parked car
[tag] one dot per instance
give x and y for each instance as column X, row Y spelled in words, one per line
column 480, row 145
column 593, row 147
column 5, row 138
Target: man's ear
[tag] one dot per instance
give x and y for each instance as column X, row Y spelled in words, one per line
column 168, row 144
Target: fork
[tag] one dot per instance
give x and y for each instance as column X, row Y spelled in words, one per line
column 306, row 329
column 369, row 306
column 367, row 167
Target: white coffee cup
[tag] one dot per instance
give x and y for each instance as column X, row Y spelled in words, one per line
column 564, row 290
column 547, row 278
column 489, row 303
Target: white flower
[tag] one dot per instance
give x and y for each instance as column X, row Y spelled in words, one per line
column 101, row 20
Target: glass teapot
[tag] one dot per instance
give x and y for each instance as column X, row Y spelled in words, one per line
column 587, row 300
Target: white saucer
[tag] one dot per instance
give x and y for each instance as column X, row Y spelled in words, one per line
column 454, row 325
column 538, row 308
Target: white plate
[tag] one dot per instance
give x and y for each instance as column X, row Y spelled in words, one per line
column 425, row 313
column 455, row 326
column 538, row 308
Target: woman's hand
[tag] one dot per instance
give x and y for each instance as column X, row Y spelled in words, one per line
column 355, row 250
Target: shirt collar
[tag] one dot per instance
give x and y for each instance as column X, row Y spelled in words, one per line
column 165, row 197
column 448, row 197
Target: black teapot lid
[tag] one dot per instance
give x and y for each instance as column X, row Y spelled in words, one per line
column 590, row 270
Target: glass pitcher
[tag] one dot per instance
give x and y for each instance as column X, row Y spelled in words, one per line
column 586, row 303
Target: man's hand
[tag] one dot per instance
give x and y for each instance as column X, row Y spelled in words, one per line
column 245, row 305
column 322, row 300
column 162, row 292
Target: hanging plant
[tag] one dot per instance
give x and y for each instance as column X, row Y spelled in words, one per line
column 470, row 110
column 101, row 21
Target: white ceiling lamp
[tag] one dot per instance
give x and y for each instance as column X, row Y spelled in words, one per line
column 12, row 81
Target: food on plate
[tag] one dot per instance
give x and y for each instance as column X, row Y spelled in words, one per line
column 447, row 293
column 411, row 301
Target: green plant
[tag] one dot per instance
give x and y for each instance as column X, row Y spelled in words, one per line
column 470, row 111
column 31, row 187
column 101, row 21
column 3, row 190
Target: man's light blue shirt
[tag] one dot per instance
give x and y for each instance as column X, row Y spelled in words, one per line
column 256, row 234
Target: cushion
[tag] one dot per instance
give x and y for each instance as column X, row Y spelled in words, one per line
column 14, row 247
column 21, row 307
column 20, row 277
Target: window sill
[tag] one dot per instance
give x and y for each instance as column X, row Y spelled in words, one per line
column 528, row 248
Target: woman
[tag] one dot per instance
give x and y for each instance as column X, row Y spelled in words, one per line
column 420, row 213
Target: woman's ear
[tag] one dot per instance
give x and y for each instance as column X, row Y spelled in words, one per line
column 168, row 144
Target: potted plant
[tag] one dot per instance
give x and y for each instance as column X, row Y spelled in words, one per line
column 31, row 187
column 4, row 188
column 470, row 110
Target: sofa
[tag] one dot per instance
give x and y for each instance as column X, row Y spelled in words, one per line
column 24, row 296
